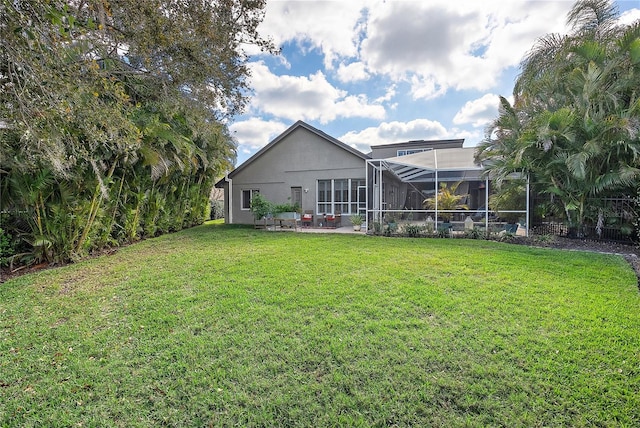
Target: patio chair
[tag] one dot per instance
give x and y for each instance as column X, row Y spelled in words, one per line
column 335, row 219
column 307, row 218
column 511, row 228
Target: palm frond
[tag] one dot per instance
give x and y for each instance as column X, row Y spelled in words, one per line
column 592, row 16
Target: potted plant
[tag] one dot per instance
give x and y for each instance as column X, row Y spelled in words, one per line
column 261, row 208
column 447, row 201
column 356, row 221
column 286, row 213
column 286, row 208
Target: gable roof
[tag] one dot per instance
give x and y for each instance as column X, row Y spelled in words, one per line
column 298, row 124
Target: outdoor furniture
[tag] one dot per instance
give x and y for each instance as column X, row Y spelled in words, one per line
column 334, row 220
column 511, row 228
column 307, row 218
column 287, row 219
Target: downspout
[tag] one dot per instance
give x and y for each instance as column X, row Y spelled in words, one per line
column 366, row 195
column 230, row 206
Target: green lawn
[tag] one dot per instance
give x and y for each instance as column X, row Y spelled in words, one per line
column 223, row 326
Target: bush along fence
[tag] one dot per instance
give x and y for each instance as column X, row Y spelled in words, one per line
column 605, row 219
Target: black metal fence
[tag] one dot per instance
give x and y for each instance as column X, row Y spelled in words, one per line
column 606, row 219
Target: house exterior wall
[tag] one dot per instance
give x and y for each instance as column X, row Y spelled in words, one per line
column 391, row 150
column 300, row 159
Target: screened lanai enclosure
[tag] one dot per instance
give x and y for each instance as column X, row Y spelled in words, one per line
column 403, row 189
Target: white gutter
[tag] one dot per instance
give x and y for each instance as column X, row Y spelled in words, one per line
column 230, row 206
column 366, row 196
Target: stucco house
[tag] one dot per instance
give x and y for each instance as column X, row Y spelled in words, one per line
column 303, row 166
column 321, row 174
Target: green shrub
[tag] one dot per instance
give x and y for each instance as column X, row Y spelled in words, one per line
column 443, row 232
column 474, row 233
column 412, row 230
column 7, row 248
column 286, row 208
column 260, row 206
column 390, row 229
column 217, row 210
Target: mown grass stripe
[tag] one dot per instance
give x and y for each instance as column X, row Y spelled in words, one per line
column 230, row 326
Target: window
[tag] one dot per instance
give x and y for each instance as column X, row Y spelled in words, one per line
column 410, row 151
column 358, row 196
column 247, row 195
column 324, row 196
column 340, row 195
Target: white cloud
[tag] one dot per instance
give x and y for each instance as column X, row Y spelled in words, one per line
column 440, row 45
column 478, row 112
column 395, row 132
column 436, row 45
column 388, row 96
column 330, row 26
column 254, row 133
column 629, row 17
column 398, row 132
column 307, row 97
column 356, row 71
column 471, row 138
column 426, row 87
column 354, row 106
column 433, row 48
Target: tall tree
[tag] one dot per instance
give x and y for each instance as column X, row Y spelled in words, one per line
column 577, row 108
column 118, row 100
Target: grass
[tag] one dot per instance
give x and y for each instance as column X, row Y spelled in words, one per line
column 227, row 326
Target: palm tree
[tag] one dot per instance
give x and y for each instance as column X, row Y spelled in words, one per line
column 575, row 122
column 502, row 151
column 446, row 200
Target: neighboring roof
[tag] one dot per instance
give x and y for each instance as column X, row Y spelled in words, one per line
column 415, row 166
column 420, row 143
column 298, row 124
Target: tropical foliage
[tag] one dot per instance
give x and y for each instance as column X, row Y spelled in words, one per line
column 574, row 126
column 260, row 206
column 112, row 117
column 446, row 200
column 511, row 197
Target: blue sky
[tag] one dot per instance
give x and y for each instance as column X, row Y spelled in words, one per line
column 377, row 72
